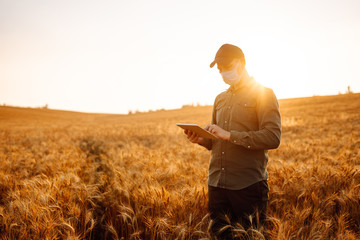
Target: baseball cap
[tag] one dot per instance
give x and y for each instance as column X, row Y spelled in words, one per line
column 226, row 54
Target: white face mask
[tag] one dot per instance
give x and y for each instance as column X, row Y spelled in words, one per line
column 231, row 77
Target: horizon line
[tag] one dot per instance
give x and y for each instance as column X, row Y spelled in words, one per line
column 130, row 112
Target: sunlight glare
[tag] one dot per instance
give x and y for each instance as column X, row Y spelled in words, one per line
column 281, row 66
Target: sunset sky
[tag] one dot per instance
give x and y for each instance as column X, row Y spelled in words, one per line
column 115, row 56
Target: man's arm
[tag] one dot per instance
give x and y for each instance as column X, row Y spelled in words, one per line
column 269, row 133
column 194, row 138
column 206, row 142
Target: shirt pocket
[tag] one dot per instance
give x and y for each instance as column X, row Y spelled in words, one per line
column 245, row 111
column 219, row 108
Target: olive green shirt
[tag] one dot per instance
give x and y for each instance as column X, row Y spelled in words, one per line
column 250, row 112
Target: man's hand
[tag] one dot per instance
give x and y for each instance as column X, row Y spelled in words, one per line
column 193, row 137
column 218, row 131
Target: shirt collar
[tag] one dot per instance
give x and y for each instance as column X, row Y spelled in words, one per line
column 242, row 84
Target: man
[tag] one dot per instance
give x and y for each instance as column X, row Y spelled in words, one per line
column 247, row 122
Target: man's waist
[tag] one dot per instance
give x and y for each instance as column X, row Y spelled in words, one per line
column 238, row 153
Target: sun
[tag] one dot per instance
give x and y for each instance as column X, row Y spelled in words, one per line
column 280, row 65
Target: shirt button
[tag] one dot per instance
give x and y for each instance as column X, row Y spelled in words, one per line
column 225, row 121
column 249, row 146
column 223, row 153
column 245, row 104
column 234, row 140
column 223, row 169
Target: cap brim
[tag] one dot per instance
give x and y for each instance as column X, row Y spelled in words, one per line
column 221, row 61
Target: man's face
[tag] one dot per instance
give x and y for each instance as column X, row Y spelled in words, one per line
column 231, row 66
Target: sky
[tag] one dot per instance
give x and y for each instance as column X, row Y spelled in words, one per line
column 119, row 56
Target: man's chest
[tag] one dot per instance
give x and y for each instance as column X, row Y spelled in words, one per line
column 236, row 110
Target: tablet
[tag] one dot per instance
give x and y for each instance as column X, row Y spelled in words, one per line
column 199, row 130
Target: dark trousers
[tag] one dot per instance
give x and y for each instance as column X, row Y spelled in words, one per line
column 229, row 207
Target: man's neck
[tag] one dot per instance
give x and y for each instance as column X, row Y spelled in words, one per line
column 245, row 78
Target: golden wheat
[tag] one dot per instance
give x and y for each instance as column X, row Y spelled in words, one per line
column 67, row 175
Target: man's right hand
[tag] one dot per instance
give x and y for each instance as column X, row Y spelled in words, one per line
column 193, row 137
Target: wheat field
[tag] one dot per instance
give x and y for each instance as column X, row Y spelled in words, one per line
column 70, row 175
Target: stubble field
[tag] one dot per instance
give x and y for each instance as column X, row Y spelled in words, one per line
column 68, row 175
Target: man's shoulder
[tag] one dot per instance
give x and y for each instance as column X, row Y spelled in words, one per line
column 261, row 90
column 220, row 95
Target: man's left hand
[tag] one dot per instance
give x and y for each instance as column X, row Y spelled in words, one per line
column 218, row 131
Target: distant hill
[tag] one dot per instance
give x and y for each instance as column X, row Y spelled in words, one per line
column 11, row 113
